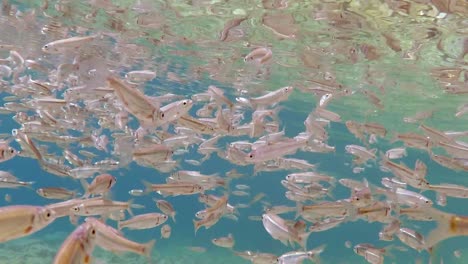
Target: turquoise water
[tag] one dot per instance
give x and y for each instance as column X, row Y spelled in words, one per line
column 183, row 47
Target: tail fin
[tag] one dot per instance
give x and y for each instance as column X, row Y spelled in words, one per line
column 129, row 208
column 302, row 240
column 148, row 186
column 444, row 230
column 148, row 249
column 196, row 225
column 299, row 210
column 85, row 185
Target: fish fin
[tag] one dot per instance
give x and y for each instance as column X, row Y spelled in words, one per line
column 331, row 195
column 299, row 210
column 285, row 242
column 148, row 187
column 119, row 226
column 28, row 185
column 74, row 219
column 441, row 232
column 129, row 209
column 196, row 226
column 85, row 185
column 302, row 240
column 252, row 103
column 173, row 217
column 148, row 249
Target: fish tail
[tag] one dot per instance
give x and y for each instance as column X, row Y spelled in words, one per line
column 252, row 103
column 173, row 217
column 85, row 185
column 148, row 186
column 196, row 226
column 129, row 209
column 299, row 210
column 148, row 249
column 302, row 239
column 119, row 226
column 441, row 232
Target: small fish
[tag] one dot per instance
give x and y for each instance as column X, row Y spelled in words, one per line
column 411, row 238
column 174, row 189
column 100, row 185
column 63, row 45
column 272, row 97
column 111, row 239
column 56, row 193
column 197, row 249
column 240, row 193
column 140, row 76
column 226, row 242
column 100, row 206
column 136, row 192
column 259, row 55
column 299, row 256
column 144, row 221
column 13, row 184
column 396, row 153
column 165, row 231
column 166, row 208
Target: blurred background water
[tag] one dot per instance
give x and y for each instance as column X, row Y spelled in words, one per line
column 396, row 49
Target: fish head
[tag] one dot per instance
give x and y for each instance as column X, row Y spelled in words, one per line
column 10, row 153
column 251, row 156
column 186, row 104
column 76, row 209
column 200, row 215
column 427, row 202
column 287, row 90
column 49, row 49
column 199, row 188
column 46, row 215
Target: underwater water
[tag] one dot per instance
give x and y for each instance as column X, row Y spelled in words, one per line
column 402, row 65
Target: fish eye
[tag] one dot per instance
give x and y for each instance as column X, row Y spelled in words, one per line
column 251, row 156
column 76, row 209
column 48, row 214
column 427, row 202
column 185, row 102
column 93, row 232
column 12, row 151
column 46, row 46
column 162, row 115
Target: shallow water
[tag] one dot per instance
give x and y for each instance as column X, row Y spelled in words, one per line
column 395, row 49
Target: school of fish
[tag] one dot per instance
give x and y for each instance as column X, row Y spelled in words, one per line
column 90, row 91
